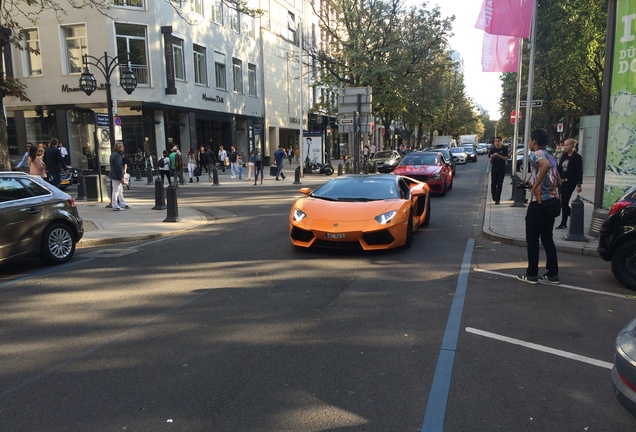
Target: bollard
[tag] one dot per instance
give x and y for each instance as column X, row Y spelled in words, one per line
column 160, row 198
column 365, row 169
column 81, row 187
column 149, row 176
column 215, row 176
column 138, row 174
column 297, row 175
column 575, row 232
column 173, row 209
column 340, row 169
column 518, row 192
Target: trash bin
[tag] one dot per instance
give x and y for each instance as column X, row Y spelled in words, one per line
column 92, row 187
column 273, row 170
column 267, row 161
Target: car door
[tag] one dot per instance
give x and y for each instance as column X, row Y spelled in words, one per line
column 21, row 213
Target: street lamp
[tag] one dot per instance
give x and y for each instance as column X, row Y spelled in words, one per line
column 87, row 82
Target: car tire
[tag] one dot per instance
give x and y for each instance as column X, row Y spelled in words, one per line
column 409, row 232
column 427, row 219
column 450, row 186
column 58, row 244
column 443, row 192
column 624, row 264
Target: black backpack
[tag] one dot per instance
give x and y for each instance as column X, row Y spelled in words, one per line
column 162, row 162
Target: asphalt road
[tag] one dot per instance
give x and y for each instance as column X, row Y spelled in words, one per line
column 229, row 328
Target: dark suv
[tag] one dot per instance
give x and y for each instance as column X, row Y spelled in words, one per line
column 36, row 219
column 617, row 239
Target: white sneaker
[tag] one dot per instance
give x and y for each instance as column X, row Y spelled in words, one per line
column 118, row 209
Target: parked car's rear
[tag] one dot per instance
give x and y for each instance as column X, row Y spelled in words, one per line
column 36, row 219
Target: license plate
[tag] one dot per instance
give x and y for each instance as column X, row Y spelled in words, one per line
column 335, row 236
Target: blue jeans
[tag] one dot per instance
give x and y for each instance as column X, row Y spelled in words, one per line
column 279, row 172
column 540, row 226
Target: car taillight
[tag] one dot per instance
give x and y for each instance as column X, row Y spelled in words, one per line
column 618, row 206
column 71, row 202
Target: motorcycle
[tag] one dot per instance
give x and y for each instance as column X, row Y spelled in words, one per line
column 313, row 167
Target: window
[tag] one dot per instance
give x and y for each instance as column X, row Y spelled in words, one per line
column 291, row 27
column 219, row 70
column 234, row 20
column 32, row 61
column 196, row 6
column 251, row 79
column 247, row 24
column 217, row 11
column 132, row 39
column 75, row 42
column 200, row 65
column 129, row 3
column 178, row 59
column 237, row 75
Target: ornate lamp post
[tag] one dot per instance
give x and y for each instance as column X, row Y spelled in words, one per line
column 87, row 82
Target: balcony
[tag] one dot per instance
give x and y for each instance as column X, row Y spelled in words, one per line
column 140, row 72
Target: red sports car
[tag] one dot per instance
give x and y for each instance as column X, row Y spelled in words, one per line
column 428, row 167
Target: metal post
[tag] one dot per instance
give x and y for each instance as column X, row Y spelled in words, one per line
column 173, row 208
column 138, row 174
column 575, row 232
column 215, row 176
column 518, row 192
column 81, row 186
column 149, row 176
column 297, row 175
column 340, row 169
column 160, row 199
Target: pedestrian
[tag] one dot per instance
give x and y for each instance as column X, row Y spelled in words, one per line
column 179, row 166
column 290, row 154
column 365, row 153
column 191, row 164
column 297, row 155
column 372, row 150
column 239, row 165
column 279, row 156
column 147, row 155
column 571, row 172
column 173, row 167
column 63, row 150
column 498, row 158
column 223, row 159
column 233, row 161
column 211, row 161
column 24, row 162
column 544, row 198
column 250, row 165
column 35, row 162
column 258, row 165
column 54, row 162
column 202, row 160
column 117, row 178
column 164, row 167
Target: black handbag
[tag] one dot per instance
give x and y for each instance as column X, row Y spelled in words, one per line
column 551, row 207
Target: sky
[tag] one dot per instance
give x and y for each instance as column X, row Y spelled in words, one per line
column 483, row 87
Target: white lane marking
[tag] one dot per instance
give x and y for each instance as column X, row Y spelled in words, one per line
column 542, row 348
column 572, row 287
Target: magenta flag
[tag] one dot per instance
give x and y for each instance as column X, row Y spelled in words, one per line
column 506, row 17
column 500, row 53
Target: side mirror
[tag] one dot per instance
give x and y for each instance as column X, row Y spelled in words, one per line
column 305, row 191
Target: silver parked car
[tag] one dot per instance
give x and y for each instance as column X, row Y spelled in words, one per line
column 385, row 161
column 36, row 219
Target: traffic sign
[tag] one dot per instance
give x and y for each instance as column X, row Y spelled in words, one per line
column 535, row 103
column 514, row 116
column 559, row 127
column 345, row 121
column 117, row 121
column 101, row 120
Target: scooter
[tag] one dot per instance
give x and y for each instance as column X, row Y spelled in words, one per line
column 313, row 167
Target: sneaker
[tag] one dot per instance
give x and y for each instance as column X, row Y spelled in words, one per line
column 529, row 279
column 550, row 279
column 127, row 206
column 562, row 226
column 497, row 202
column 118, row 209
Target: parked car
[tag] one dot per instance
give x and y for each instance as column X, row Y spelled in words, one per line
column 447, row 156
column 360, row 211
column 459, row 153
column 482, row 148
column 624, row 370
column 471, row 153
column 617, row 239
column 428, row 167
column 36, row 219
column 385, row 161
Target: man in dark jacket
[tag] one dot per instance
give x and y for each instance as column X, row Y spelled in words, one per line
column 117, row 179
column 210, row 160
column 571, row 172
column 54, row 162
column 279, row 156
column 498, row 155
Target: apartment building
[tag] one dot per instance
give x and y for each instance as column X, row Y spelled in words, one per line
column 206, row 75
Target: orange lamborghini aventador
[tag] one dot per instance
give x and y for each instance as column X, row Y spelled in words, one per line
column 359, row 211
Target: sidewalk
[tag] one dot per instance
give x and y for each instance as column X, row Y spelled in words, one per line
column 102, row 226
column 506, row 224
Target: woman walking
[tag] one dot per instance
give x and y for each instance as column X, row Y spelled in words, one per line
column 191, row 164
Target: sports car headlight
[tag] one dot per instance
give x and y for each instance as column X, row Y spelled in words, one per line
column 299, row 215
column 392, row 161
column 437, row 176
column 385, row 218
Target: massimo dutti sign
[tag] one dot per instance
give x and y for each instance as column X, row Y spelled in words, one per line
column 217, row 98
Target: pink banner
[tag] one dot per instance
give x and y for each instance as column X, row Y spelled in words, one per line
column 500, row 53
column 506, row 17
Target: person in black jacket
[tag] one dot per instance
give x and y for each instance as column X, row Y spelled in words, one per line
column 498, row 156
column 54, row 162
column 571, row 172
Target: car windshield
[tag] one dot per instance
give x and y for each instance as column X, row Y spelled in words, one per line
column 457, row 150
column 419, row 159
column 358, row 189
column 383, row 154
column 469, row 150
